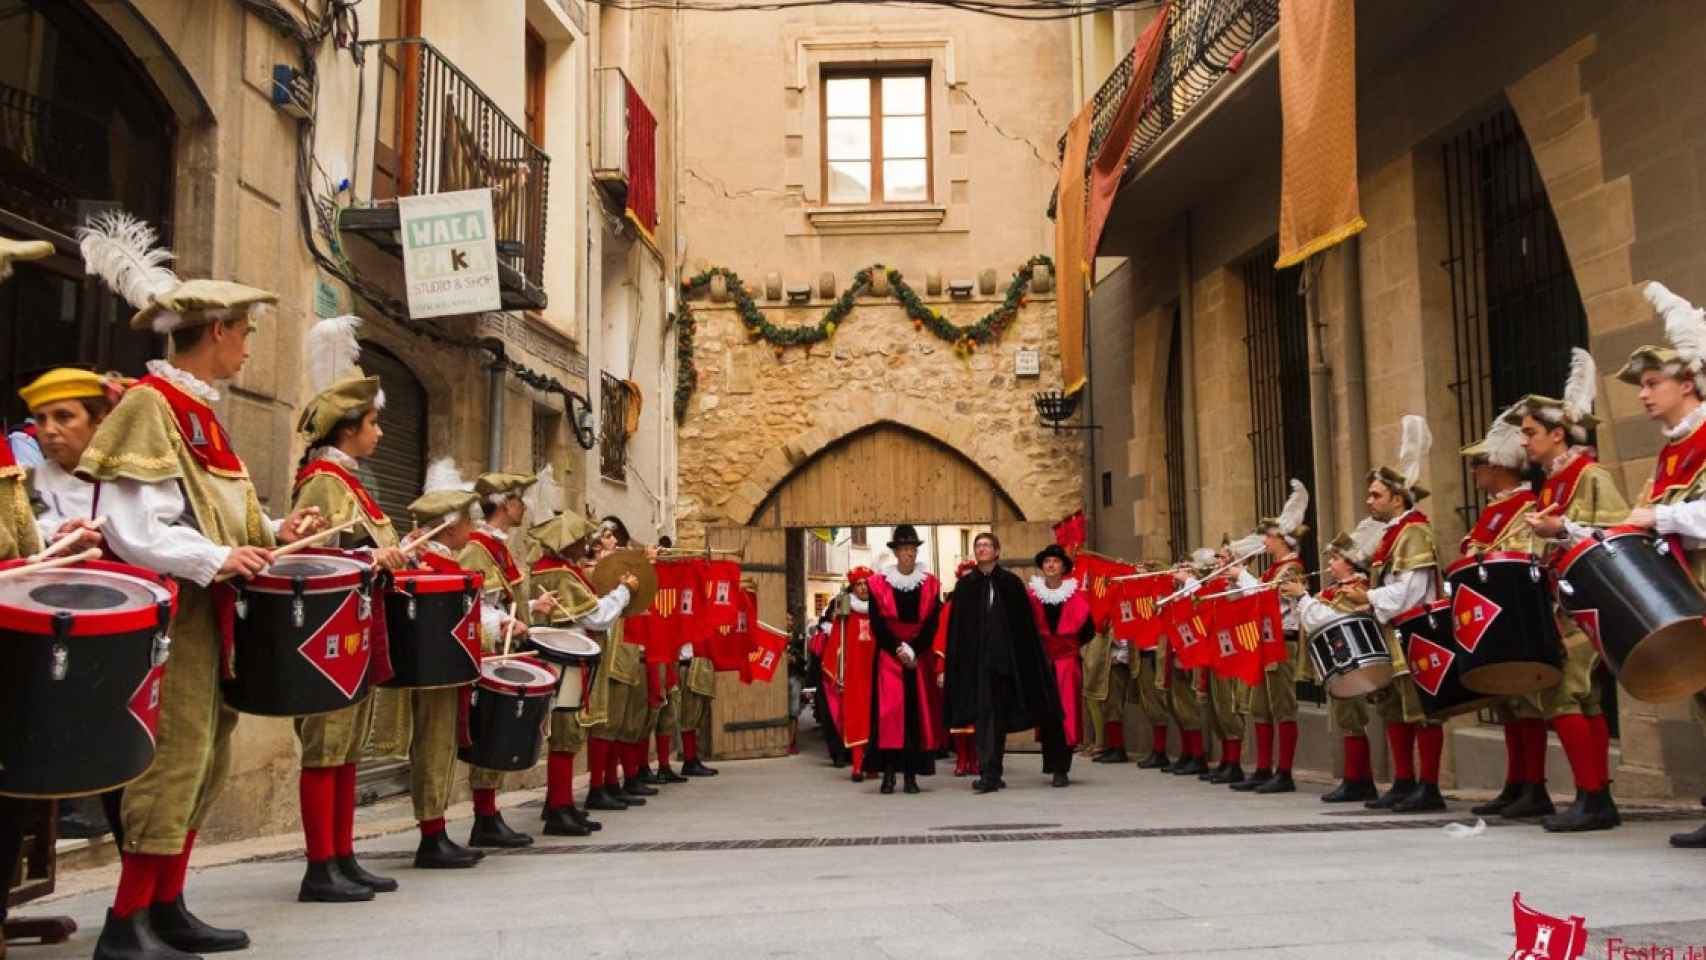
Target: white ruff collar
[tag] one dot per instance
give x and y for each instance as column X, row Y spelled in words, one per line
column 1060, row 594
column 492, row 531
column 187, row 382
column 342, row 459
column 909, row 581
column 858, row 605
column 440, row 549
column 1687, row 425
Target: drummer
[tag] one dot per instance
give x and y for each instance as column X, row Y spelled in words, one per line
column 1577, row 491
column 340, row 428
column 561, row 539
column 1672, row 381
column 616, row 710
column 506, row 590
column 178, row 500
column 67, row 404
column 1347, row 566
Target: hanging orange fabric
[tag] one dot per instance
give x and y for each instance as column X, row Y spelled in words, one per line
column 1069, row 260
column 1108, row 169
column 1319, row 206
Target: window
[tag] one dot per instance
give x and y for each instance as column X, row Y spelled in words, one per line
column 859, row 537
column 534, row 108
column 965, row 543
column 613, row 429
column 1107, row 488
column 876, row 137
column 817, row 557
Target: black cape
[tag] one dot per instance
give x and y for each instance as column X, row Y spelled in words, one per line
column 987, row 645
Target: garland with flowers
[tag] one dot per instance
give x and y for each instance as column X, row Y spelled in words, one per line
column 964, row 338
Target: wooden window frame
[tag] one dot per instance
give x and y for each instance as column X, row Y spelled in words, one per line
column 533, row 65
column 876, row 75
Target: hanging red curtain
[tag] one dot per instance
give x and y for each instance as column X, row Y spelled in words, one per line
column 642, row 164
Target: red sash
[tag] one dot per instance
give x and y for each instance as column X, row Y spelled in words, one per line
column 1560, row 488
column 1495, row 518
column 1679, row 463
column 499, row 552
column 1063, row 640
column 6, row 458
column 1384, row 552
column 369, row 505
column 199, row 428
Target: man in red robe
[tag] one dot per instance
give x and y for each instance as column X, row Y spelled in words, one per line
column 905, row 729
column 855, row 648
column 1062, row 614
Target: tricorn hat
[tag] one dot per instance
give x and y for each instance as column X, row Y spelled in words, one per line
column 1054, row 550
column 1414, row 442
column 562, row 531
column 341, row 389
column 905, row 536
column 1502, row 446
column 1685, row 328
column 1289, row 524
column 1358, row 545
column 1574, row 410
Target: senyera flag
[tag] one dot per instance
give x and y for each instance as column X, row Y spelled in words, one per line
column 769, row 651
column 1136, row 617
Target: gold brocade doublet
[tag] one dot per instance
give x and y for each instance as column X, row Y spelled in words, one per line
column 1413, row 550
column 574, row 599
column 18, row 534
column 338, row 504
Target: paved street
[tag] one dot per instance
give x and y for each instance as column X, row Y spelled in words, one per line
column 785, row 858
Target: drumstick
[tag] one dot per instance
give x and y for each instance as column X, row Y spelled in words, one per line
column 59, row 546
column 39, row 565
column 416, row 540
column 509, row 628
column 314, row 540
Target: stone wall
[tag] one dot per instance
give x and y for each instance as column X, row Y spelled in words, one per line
column 757, row 416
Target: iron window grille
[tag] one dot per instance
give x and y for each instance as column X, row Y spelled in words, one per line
column 613, row 429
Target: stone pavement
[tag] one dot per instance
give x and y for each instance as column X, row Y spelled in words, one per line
column 785, row 858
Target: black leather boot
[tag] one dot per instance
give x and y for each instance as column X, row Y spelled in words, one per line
column 1061, row 780
column 666, row 775
column 1426, row 798
column 438, row 852
column 697, row 768
column 133, row 938
column 1509, row 795
column 1249, row 784
column 349, row 867
column 637, row 788
column 1351, row 791
column 1399, row 790
column 1188, row 766
column 1595, row 812
column 174, row 923
column 1116, row 755
column 325, row 883
column 1534, row 801
column 1693, row 840
column 910, row 785
column 1229, row 774
column 1155, row 761
column 647, row 777
column 888, row 782
column 492, row 831
column 603, row 798
column 1207, row 776
column 579, row 816
column 558, row 823
column 1280, row 782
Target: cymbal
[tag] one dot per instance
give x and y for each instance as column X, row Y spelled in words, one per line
column 608, row 573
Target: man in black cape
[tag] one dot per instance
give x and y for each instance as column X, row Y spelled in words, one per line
column 997, row 679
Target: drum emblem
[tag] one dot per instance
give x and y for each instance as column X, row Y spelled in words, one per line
column 145, row 701
column 467, row 634
column 338, row 648
column 1472, row 615
column 1429, row 663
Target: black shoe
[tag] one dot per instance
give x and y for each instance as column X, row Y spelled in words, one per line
column 636, row 793
column 1596, row 812
column 1207, row 776
column 1509, row 795
column 133, row 938
column 1116, row 755
column 1061, row 780
column 492, row 831
column 888, row 784
column 911, row 785
column 1260, row 776
column 1400, row 789
column 438, row 852
column 666, row 775
column 1228, row 774
column 603, row 798
column 325, row 883
column 367, row 878
column 983, row 785
column 1351, row 791
column 1425, row 798
column 1188, row 767
column 647, row 777
column 1155, row 761
column 858, row 776
column 1280, row 782
column 1693, row 840
column 1534, row 801
column 559, row 823
column 697, row 768
column 579, row 816
column 836, row 762
column 182, row 930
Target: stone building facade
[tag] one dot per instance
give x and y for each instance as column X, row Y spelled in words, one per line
column 1592, row 93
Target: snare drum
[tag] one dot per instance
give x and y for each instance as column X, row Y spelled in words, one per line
column 575, row 653
column 82, row 654
column 1350, row 656
column 506, row 714
column 301, row 641
column 432, row 622
column 1436, row 661
column 1637, row 604
column 1502, row 622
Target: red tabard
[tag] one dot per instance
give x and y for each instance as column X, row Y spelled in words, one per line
column 199, row 428
column 1494, row 518
column 858, row 656
column 883, row 603
column 1560, row 487
column 1679, row 463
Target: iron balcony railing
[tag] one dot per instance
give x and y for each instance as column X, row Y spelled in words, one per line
column 1206, row 40
column 437, row 131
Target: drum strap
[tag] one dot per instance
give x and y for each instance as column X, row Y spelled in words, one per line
column 464, row 705
column 379, row 668
column 224, row 597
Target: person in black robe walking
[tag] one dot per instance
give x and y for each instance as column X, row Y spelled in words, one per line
column 998, row 679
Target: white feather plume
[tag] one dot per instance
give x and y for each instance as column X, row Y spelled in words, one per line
column 1295, row 509
column 442, row 474
column 1202, row 557
column 1504, row 439
column 120, row 249
column 1685, row 324
column 544, row 499
column 1245, row 546
column 1414, row 442
column 1365, row 539
column 331, row 351
column 1582, row 386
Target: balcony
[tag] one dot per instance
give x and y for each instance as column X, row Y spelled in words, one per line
column 436, row 132
column 625, row 154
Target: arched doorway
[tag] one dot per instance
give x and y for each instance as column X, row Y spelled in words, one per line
column 83, row 128
column 399, row 465
column 878, row 476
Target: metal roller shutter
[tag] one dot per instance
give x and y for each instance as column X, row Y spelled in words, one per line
column 398, row 468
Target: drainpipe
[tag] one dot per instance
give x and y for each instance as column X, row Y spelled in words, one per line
column 1326, row 490
column 495, row 407
column 1188, row 390
column 1355, row 373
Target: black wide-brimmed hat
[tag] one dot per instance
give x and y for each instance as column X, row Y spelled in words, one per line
column 905, row 536
column 1054, row 550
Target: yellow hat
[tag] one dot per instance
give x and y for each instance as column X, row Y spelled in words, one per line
column 343, row 400
column 62, row 383
column 493, row 484
column 196, row 302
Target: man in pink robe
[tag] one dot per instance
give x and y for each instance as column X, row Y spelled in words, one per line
column 906, row 720
column 1062, row 613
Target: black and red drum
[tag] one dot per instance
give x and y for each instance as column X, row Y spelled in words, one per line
column 432, row 622
column 1350, row 656
column 1436, row 661
column 82, row 655
column 301, row 642
column 507, row 712
column 1501, row 618
column 1632, row 597
column 575, row 654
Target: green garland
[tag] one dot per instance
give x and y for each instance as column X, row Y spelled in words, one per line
column 686, row 371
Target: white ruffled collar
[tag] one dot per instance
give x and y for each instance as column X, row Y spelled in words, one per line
column 858, row 605
column 1061, row 594
column 1562, row 461
column 492, row 531
column 909, row 581
column 342, row 459
column 183, row 380
column 435, row 547
column 1688, row 424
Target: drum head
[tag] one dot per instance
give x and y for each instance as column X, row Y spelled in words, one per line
column 322, row 570
column 517, row 674
column 81, row 591
column 566, row 644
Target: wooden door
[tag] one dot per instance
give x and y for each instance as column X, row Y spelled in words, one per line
column 399, row 91
column 751, row 720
